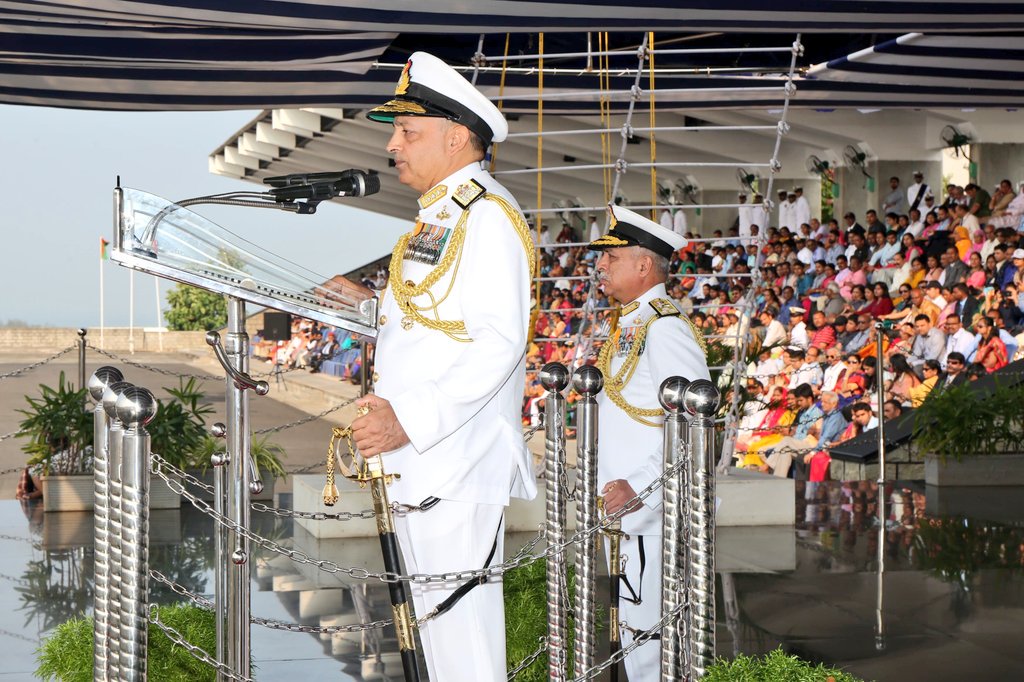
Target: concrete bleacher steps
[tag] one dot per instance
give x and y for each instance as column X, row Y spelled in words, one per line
column 747, row 498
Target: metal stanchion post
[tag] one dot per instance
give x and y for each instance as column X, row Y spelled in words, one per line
column 110, row 395
column 81, row 357
column 221, row 552
column 135, row 408
column 673, row 505
column 880, row 393
column 554, row 377
column 701, row 401
column 237, row 593
column 588, row 383
column 364, row 369
column 879, row 622
column 101, row 378
column 234, row 358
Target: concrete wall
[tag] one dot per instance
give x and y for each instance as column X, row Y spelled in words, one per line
column 114, row 339
column 998, row 161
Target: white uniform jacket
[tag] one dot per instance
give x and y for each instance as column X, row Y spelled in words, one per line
column 460, row 402
column 628, row 449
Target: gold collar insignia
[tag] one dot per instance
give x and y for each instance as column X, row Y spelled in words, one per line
column 431, row 196
column 629, row 307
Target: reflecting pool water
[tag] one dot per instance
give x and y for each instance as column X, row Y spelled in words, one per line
column 910, row 594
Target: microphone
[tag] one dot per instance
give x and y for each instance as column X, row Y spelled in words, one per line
column 322, row 186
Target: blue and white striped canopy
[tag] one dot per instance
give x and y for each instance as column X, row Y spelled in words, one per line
column 979, row 69
column 246, row 54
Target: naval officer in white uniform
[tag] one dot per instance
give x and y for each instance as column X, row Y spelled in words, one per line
column 450, row 362
column 653, row 341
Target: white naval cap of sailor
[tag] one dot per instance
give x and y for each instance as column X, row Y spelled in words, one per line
column 429, row 87
column 627, row 228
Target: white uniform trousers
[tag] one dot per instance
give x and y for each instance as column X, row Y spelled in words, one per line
column 644, row 663
column 468, row 641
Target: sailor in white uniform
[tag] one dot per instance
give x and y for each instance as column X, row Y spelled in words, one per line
column 450, row 363
column 652, row 342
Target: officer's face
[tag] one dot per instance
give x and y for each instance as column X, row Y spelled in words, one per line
column 418, row 144
column 619, row 270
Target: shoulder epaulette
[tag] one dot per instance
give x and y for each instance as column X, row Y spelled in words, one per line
column 664, row 307
column 468, row 192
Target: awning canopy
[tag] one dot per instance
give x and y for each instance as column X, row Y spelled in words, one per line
column 980, row 68
column 262, row 54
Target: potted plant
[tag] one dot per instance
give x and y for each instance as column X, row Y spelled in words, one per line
column 59, row 433
column 267, row 456
column 972, row 437
column 177, row 431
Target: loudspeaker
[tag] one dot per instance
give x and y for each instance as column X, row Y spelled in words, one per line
column 277, row 326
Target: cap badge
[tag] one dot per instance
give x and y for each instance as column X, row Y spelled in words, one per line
column 403, row 80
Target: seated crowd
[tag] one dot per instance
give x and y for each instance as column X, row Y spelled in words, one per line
column 945, row 282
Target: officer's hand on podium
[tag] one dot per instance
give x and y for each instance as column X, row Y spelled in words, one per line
column 616, row 494
column 379, row 430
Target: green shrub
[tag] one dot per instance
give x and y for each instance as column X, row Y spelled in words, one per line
column 960, row 422
column 775, row 666
column 58, row 429
column 66, row 655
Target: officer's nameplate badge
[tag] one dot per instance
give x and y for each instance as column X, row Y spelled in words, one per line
column 427, row 244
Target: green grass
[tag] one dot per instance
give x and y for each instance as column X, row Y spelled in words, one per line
column 775, row 666
column 67, row 654
column 526, row 621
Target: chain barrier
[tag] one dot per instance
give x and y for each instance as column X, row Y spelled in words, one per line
column 34, row 365
column 327, row 566
column 12, row 470
column 15, row 635
column 193, row 650
column 17, row 538
column 206, row 603
column 638, row 640
column 151, row 368
column 307, row 419
column 528, row 661
column 313, row 516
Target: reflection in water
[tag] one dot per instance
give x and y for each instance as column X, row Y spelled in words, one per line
column 869, row 588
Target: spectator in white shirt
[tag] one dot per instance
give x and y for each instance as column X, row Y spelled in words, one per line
column 835, row 370
column 958, row 339
column 917, row 191
column 798, row 336
column 801, row 209
column 775, row 333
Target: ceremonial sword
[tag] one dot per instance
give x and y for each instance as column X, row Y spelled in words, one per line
column 614, row 533
column 371, row 472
